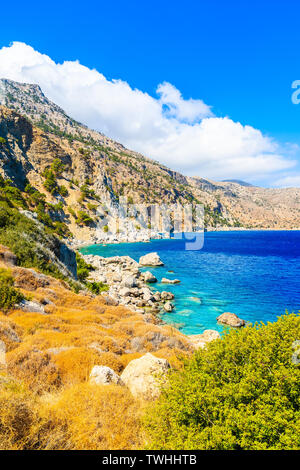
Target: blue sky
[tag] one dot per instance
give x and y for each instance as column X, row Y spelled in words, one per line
column 239, row 57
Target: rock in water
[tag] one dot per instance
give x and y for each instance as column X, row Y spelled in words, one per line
column 231, row 319
column 170, row 281
column 168, row 307
column 149, row 277
column 144, row 376
column 166, row 295
column 103, row 375
column 151, row 259
column 199, row 341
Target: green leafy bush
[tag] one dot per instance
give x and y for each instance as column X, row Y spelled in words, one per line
column 241, row 392
column 9, row 296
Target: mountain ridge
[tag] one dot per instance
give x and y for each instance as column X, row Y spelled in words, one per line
column 96, row 167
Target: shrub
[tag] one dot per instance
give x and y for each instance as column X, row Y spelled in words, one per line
column 9, row 296
column 83, row 268
column 241, row 392
column 97, row 287
column 57, row 167
column 105, row 228
column 83, row 218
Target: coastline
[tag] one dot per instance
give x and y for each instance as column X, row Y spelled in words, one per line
column 84, row 244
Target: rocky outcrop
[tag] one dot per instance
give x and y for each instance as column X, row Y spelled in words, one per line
column 31, row 306
column 103, row 375
column 151, row 259
column 199, row 341
column 145, row 375
column 231, row 319
column 127, row 285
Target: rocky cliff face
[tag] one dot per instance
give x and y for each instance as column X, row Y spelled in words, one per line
column 97, row 171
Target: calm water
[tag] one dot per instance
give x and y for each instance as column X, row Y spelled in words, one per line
column 253, row 274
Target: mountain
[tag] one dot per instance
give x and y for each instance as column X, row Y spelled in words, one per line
column 80, row 174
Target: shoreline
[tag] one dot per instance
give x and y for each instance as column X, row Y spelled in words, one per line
column 84, row 244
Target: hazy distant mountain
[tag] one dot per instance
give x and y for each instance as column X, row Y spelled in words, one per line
column 242, row 183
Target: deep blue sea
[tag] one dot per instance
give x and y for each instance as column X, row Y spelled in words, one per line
column 254, row 274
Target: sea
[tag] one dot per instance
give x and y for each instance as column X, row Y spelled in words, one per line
column 254, row 274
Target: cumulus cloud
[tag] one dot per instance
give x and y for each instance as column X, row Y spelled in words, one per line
column 181, row 133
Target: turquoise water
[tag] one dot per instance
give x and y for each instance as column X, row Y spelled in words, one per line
column 253, row 274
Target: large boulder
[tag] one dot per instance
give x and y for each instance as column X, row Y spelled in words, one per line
column 231, row 319
column 145, row 375
column 103, row 375
column 199, row 341
column 151, row 259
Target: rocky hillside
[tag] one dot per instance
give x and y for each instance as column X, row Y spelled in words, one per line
column 80, row 174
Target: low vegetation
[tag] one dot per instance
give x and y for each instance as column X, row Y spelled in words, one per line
column 239, row 393
column 9, row 296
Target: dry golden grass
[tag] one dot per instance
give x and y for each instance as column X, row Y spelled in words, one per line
column 49, row 401
column 93, row 417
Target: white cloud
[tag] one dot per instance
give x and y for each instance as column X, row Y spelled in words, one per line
column 183, row 134
column 288, row 181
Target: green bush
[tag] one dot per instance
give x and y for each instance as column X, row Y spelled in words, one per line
column 9, row 296
column 83, row 218
column 57, row 167
column 97, row 287
column 83, row 268
column 241, row 392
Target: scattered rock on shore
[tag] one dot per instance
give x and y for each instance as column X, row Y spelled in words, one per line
column 151, row 259
column 143, row 376
column 231, row 319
